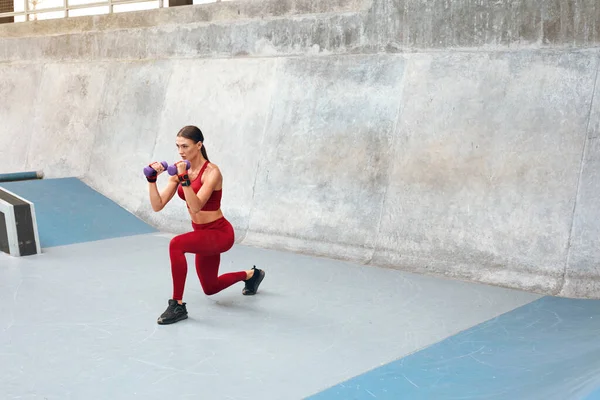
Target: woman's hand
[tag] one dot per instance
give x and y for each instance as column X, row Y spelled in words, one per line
column 181, row 167
column 158, row 167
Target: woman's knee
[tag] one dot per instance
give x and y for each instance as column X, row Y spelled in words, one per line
column 210, row 289
column 176, row 245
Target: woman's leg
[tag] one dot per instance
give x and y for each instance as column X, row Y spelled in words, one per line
column 207, row 268
column 207, row 242
column 204, row 243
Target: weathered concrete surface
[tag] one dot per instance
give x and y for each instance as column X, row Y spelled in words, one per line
column 297, row 27
column 487, row 164
column 482, row 23
column 227, row 11
column 65, row 117
column 127, row 120
column 582, row 270
column 18, row 94
column 459, row 142
column 325, row 154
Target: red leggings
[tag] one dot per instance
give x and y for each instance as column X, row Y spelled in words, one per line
column 207, row 241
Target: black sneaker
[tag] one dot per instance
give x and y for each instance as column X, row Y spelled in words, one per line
column 175, row 312
column 252, row 284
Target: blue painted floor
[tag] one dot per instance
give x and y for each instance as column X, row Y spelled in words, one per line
column 80, row 323
column 68, row 211
column 548, row 349
column 595, row 395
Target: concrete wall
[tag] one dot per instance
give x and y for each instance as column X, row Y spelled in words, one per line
column 453, row 140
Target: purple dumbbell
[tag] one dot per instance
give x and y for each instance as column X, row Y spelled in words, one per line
column 149, row 171
column 173, row 168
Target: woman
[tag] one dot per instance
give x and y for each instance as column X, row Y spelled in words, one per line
column 201, row 188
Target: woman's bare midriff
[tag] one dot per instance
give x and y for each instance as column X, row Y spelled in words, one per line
column 205, row 217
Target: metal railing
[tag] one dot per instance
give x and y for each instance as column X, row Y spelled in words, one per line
column 28, row 10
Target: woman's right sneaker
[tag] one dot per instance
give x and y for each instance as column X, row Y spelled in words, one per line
column 174, row 312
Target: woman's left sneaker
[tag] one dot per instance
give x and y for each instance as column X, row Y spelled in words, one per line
column 253, row 283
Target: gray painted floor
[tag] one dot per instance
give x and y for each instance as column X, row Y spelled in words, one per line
column 79, row 323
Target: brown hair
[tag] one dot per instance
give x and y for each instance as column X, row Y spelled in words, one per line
column 195, row 134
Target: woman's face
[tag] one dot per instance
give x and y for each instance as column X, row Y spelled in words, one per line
column 188, row 150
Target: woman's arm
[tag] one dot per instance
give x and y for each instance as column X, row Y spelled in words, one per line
column 195, row 201
column 160, row 200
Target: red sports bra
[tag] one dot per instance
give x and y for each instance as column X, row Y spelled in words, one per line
column 214, row 201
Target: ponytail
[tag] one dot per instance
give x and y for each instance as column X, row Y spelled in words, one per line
column 203, row 151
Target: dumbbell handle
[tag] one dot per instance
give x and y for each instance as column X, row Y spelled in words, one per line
column 149, row 171
column 173, row 168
